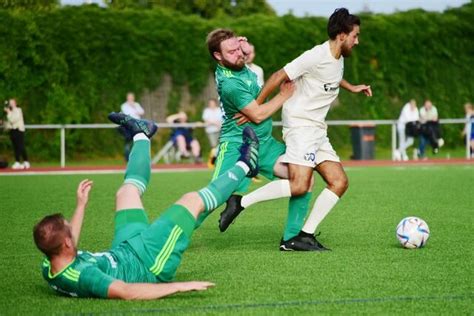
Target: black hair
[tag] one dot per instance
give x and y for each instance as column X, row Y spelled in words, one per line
column 341, row 21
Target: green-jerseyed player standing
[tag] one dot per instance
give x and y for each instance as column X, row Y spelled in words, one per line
column 238, row 90
column 144, row 257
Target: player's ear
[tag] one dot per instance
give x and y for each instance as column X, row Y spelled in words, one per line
column 68, row 242
column 342, row 36
column 217, row 56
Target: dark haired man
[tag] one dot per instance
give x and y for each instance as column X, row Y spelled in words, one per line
column 144, row 258
column 318, row 74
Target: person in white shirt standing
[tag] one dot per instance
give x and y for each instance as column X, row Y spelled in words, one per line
column 212, row 117
column 407, row 130
column 134, row 109
column 16, row 126
column 318, row 74
column 254, row 67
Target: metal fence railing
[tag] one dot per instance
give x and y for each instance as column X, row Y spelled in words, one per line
column 393, row 123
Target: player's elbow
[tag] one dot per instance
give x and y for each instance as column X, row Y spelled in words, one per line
column 121, row 290
column 258, row 119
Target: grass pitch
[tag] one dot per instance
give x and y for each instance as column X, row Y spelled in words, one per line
column 367, row 271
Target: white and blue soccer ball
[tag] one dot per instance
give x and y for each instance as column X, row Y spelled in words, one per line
column 413, row 232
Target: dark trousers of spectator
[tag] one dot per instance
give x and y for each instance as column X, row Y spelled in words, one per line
column 18, row 141
column 128, row 141
column 430, row 133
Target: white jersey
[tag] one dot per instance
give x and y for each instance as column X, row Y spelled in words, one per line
column 259, row 72
column 317, row 75
column 213, row 115
column 135, row 110
column 408, row 115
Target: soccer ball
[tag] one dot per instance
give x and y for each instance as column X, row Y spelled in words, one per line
column 413, row 232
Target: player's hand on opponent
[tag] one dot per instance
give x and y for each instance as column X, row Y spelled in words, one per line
column 241, row 118
column 193, row 286
column 362, row 88
column 287, row 88
column 82, row 192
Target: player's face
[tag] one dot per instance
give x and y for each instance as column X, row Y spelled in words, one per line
column 231, row 55
column 351, row 40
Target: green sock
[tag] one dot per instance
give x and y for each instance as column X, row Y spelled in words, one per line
column 139, row 165
column 219, row 190
column 297, row 209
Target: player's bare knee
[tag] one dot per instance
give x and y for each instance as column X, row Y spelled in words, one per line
column 299, row 186
column 339, row 185
column 193, row 202
column 127, row 191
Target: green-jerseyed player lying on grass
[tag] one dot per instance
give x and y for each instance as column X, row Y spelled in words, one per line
column 144, row 257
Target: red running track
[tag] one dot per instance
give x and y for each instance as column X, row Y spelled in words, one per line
column 191, row 166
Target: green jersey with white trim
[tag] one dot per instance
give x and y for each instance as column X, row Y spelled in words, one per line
column 90, row 274
column 236, row 90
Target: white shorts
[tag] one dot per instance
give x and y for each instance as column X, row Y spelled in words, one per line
column 307, row 146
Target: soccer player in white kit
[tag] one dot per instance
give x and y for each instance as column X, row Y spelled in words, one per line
column 318, row 74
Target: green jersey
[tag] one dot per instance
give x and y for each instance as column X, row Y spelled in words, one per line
column 90, row 274
column 236, row 90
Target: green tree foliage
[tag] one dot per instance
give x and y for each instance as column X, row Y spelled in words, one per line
column 75, row 64
column 28, row 4
column 204, row 8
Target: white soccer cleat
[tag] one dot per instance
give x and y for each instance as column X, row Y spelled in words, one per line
column 440, row 142
column 397, row 156
column 26, row 165
column 17, row 166
column 405, row 157
column 415, row 154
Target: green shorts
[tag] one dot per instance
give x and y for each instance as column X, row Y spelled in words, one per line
column 228, row 154
column 160, row 245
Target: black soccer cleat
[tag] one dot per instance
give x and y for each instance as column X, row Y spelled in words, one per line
column 249, row 151
column 232, row 209
column 313, row 237
column 302, row 242
column 134, row 126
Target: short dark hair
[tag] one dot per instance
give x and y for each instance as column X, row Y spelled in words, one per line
column 341, row 21
column 215, row 38
column 49, row 234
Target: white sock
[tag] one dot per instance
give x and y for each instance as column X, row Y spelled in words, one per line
column 273, row 190
column 140, row 136
column 323, row 204
column 242, row 165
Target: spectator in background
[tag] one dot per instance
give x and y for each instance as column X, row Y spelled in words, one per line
column 134, row 109
column 408, row 129
column 430, row 129
column 212, row 117
column 16, row 126
column 255, row 68
column 182, row 138
column 469, row 128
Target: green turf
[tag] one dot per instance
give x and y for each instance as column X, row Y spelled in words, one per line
column 366, row 273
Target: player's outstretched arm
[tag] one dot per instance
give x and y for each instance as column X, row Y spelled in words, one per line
column 82, row 196
column 356, row 88
column 271, row 84
column 151, row 291
column 258, row 113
